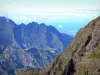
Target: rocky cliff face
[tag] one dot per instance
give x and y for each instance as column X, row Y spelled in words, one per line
column 42, row 42
column 82, row 56
column 24, row 47
column 6, row 29
column 40, row 37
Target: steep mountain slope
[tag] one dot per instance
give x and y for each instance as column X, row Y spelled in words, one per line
column 46, row 40
column 40, row 36
column 12, row 57
column 82, row 56
column 6, row 35
column 24, row 47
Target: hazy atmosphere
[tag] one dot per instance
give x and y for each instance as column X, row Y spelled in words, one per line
column 38, row 37
column 67, row 16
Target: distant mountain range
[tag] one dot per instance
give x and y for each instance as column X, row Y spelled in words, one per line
column 33, row 46
column 82, row 56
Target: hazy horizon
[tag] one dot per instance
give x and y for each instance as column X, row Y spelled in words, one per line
column 67, row 16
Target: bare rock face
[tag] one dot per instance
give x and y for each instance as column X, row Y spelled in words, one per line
column 82, row 56
column 6, row 31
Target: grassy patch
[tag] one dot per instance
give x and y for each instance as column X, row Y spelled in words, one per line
column 95, row 54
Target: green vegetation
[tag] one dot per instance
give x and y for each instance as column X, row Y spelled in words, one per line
column 67, row 58
column 6, row 55
column 15, row 45
column 95, row 54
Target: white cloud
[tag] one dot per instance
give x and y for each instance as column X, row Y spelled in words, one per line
column 23, row 17
column 60, row 26
column 72, row 32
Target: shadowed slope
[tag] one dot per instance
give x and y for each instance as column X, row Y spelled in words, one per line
column 82, row 56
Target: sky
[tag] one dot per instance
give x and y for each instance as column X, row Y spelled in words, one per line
column 68, row 16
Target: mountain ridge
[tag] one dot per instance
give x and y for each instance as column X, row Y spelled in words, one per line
column 82, row 56
column 24, row 47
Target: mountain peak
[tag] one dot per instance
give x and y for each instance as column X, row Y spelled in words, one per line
column 22, row 24
column 82, row 56
column 31, row 46
column 4, row 19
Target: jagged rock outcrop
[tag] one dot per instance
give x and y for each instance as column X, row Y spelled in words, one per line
column 82, row 56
